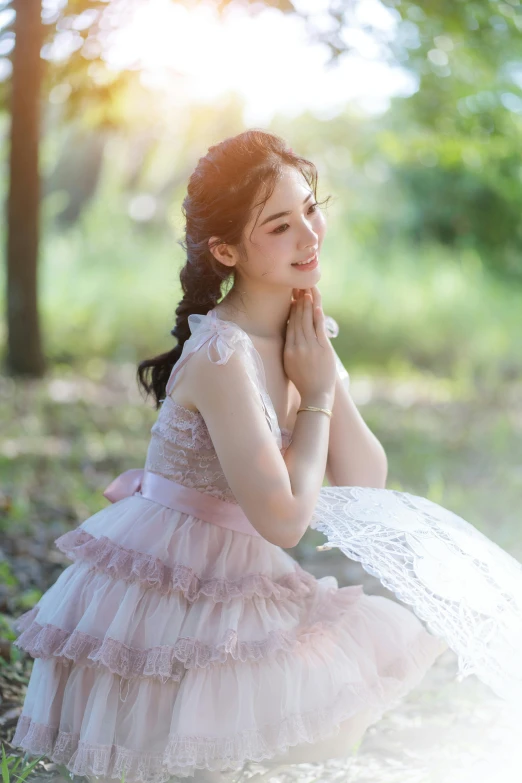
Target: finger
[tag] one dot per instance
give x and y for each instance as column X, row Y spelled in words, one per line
column 314, row 291
column 313, row 305
column 308, row 317
column 290, row 327
column 320, row 326
column 299, row 329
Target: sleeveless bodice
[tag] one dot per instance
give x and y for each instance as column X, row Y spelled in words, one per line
column 180, row 447
column 181, row 450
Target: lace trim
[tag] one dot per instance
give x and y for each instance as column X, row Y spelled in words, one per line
column 45, row 641
column 193, row 470
column 194, row 421
column 183, row 755
column 165, row 662
column 465, row 587
column 150, row 571
column 189, row 426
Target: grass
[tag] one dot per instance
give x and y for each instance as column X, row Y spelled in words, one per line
column 15, row 769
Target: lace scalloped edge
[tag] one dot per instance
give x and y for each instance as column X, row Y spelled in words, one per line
column 185, row 754
column 133, row 566
column 168, row 662
column 466, row 659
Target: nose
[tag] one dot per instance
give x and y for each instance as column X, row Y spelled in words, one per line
column 309, row 238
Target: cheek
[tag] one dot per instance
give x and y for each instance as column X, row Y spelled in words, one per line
column 267, row 257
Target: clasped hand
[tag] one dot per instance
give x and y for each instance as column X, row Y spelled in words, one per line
column 309, row 358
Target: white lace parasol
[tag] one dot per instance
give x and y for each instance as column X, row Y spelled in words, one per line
column 466, row 588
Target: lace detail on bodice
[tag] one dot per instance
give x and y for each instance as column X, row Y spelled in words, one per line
column 181, row 448
column 190, row 427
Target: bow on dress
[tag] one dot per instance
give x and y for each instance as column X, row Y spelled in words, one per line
column 222, row 337
column 124, row 485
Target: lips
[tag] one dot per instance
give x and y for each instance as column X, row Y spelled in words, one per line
column 312, row 258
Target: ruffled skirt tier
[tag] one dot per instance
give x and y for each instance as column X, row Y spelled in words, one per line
column 172, row 644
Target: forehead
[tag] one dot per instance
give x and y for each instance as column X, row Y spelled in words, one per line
column 289, row 191
column 290, row 183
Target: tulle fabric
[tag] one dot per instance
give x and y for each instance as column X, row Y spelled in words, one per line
column 246, row 657
column 172, row 550
column 172, row 644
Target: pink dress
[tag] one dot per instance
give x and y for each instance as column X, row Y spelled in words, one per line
column 179, row 639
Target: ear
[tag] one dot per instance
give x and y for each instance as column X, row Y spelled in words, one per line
column 222, row 252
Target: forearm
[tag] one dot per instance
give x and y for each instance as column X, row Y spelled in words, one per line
column 356, row 458
column 306, row 459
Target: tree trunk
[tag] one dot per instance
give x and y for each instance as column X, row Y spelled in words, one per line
column 24, row 349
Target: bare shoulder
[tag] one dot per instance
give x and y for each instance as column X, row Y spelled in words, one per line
column 221, row 387
column 196, row 373
column 181, row 389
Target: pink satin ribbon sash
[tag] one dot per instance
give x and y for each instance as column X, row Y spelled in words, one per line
column 179, row 498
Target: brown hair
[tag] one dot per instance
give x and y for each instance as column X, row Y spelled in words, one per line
column 219, row 200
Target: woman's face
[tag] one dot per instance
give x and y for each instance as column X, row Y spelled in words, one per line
column 274, row 244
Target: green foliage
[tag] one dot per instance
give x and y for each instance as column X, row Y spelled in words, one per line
column 6, row 630
column 14, row 769
column 445, row 200
column 453, row 146
column 6, row 575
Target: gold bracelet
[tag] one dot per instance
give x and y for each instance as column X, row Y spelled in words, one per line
column 313, row 408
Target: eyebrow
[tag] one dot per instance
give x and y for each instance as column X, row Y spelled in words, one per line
column 281, row 214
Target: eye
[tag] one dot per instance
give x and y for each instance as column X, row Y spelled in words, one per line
column 283, row 225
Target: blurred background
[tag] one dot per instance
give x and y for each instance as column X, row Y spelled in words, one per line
column 412, row 113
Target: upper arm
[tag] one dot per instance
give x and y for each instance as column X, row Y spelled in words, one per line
column 246, row 448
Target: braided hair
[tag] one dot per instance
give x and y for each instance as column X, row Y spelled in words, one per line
column 220, row 197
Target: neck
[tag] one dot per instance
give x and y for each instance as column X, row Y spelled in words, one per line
column 263, row 317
